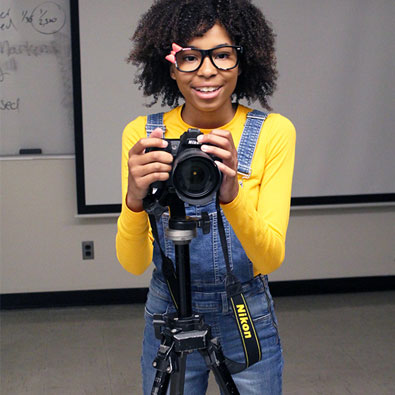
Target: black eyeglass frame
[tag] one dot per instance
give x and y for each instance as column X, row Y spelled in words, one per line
column 208, row 52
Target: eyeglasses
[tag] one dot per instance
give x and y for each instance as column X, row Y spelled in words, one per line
column 223, row 57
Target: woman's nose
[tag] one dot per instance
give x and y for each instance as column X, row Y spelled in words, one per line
column 207, row 69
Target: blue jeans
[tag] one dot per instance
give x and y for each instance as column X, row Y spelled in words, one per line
column 264, row 377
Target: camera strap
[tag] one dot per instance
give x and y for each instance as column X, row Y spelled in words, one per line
column 249, row 338
column 245, row 325
column 167, row 266
column 155, row 209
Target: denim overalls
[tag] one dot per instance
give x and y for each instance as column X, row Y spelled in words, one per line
column 208, row 271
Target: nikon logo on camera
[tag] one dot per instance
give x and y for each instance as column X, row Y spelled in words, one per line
column 194, row 177
column 243, row 320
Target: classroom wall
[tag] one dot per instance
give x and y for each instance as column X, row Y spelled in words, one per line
column 41, row 236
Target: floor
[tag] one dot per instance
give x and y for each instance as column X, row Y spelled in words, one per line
column 333, row 344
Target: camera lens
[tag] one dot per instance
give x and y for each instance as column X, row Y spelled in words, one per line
column 196, row 177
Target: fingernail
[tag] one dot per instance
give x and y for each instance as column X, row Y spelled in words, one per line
column 200, row 138
column 164, row 143
column 204, row 148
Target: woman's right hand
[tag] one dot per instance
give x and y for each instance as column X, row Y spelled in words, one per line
column 146, row 168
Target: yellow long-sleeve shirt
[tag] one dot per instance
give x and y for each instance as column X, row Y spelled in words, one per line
column 258, row 215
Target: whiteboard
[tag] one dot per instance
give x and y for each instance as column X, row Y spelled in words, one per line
column 36, row 96
column 336, row 79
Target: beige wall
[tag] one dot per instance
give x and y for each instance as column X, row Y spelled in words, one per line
column 41, row 236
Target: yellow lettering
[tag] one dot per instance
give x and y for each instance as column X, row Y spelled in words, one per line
column 241, row 312
column 241, row 309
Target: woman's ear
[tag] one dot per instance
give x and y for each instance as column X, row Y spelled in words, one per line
column 172, row 72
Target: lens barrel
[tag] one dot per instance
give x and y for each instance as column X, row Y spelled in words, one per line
column 195, row 177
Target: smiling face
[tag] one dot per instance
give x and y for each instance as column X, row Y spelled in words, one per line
column 208, row 90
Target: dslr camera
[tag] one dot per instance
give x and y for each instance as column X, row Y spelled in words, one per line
column 194, row 177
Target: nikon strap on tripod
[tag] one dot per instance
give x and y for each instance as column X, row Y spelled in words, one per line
column 245, row 324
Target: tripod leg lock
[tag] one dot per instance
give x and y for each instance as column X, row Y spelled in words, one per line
column 213, row 356
column 164, row 359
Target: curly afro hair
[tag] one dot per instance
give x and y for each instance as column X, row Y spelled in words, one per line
column 169, row 21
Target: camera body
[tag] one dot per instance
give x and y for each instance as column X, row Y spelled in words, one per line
column 195, row 177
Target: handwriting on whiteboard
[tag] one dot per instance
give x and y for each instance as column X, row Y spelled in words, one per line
column 8, row 63
column 46, row 18
column 12, row 105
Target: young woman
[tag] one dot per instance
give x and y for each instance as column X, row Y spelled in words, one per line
column 210, row 54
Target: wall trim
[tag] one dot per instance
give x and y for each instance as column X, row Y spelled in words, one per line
column 138, row 295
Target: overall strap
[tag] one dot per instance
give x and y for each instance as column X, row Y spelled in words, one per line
column 248, row 141
column 154, row 121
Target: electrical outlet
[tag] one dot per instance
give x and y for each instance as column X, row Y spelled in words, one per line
column 88, row 251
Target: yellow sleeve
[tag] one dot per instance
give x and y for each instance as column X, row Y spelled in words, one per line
column 134, row 238
column 261, row 224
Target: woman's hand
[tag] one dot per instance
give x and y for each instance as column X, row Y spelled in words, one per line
column 146, row 168
column 223, row 147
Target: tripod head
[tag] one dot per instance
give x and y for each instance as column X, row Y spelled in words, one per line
column 182, row 229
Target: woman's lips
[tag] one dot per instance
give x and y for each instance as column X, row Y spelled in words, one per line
column 207, row 92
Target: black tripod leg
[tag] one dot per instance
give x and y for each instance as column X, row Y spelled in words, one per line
column 163, row 363
column 161, row 383
column 215, row 361
column 178, row 377
column 171, row 367
column 225, row 381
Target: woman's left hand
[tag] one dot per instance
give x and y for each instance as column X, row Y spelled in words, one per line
column 220, row 143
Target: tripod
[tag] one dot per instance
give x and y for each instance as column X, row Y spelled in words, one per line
column 184, row 332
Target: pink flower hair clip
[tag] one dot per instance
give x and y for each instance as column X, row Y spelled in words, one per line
column 171, row 57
